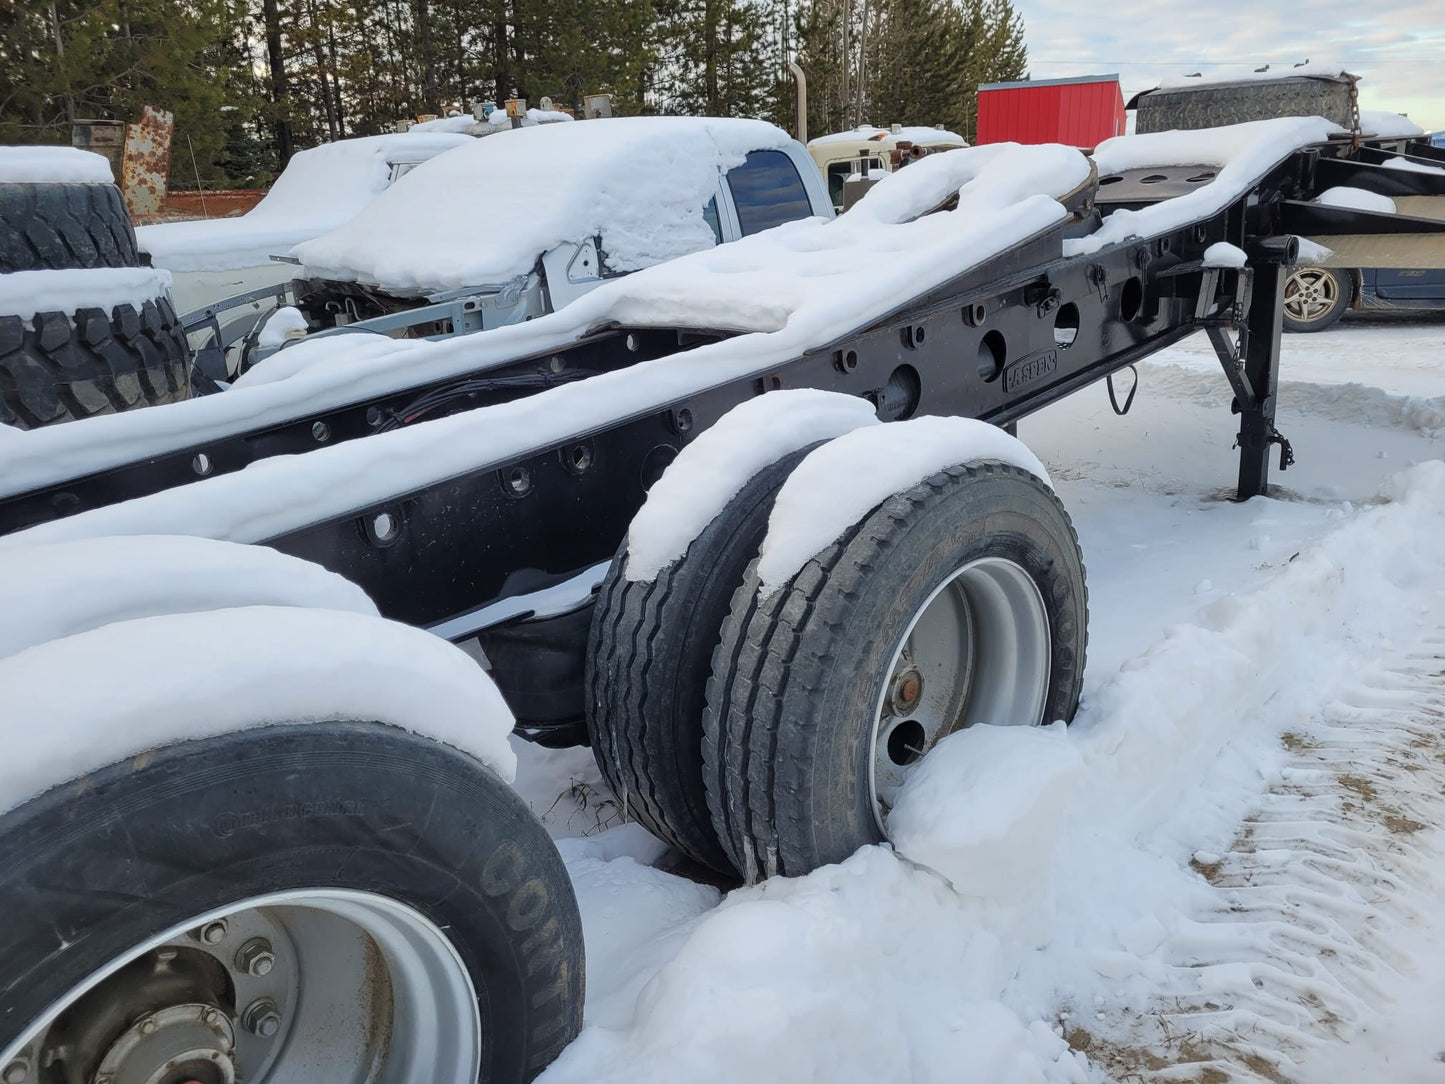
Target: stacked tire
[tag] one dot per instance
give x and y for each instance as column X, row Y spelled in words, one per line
column 84, row 329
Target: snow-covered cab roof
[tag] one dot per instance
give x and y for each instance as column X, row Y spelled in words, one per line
column 484, row 213
column 887, row 137
column 319, row 189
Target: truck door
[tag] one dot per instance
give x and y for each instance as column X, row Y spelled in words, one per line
column 1404, row 284
column 767, row 191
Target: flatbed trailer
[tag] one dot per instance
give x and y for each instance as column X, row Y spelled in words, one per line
column 181, row 865
column 1008, row 337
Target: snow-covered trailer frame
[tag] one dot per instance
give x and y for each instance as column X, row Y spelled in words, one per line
column 757, row 705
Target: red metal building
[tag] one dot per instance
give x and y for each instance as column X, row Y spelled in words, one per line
column 1083, row 111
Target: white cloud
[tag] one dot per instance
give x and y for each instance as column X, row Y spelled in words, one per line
column 1398, row 46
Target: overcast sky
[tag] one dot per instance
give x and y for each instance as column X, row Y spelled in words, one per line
column 1398, row 46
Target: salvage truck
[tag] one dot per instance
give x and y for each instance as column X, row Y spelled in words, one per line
column 749, row 523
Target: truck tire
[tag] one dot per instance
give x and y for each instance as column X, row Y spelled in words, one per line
column 62, row 366
column 821, row 698
column 1316, row 297
column 650, row 657
column 337, row 901
column 52, row 227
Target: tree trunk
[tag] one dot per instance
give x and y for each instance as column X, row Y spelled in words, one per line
column 280, row 98
column 428, row 69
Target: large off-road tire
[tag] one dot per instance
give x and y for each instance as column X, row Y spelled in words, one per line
column 959, row 601
column 398, row 904
column 1316, row 297
column 60, row 366
column 51, row 227
column 649, row 660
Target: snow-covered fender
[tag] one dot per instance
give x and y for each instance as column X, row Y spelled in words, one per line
column 715, row 467
column 838, row 484
column 59, row 589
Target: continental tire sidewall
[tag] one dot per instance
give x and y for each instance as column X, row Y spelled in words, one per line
column 93, row 868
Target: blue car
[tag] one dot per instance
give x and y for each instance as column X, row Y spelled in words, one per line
column 1315, row 297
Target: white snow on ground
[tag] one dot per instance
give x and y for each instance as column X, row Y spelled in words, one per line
column 713, row 469
column 24, row 293
column 1241, row 152
column 639, row 182
column 836, row 485
column 1217, row 867
column 49, row 592
column 807, row 282
column 281, row 664
column 1357, row 199
column 319, row 189
column 63, row 165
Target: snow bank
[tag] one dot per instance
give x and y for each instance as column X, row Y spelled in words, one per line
column 24, row 293
column 1356, row 199
column 803, row 284
column 319, row 189
column 50, row 592
column 53, row 165
column 640, row 182
column 78, row 704
column 713, row 469
column 880, row 969
column 871, row 970
column 1242, row 153
column 838, row 484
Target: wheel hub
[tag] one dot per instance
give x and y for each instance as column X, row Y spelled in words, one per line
column 181, row 1044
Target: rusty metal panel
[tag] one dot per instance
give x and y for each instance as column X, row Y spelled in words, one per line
column 147, row 161
column 104, row 137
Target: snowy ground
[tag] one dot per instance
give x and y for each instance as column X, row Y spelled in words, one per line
column 1228, row 868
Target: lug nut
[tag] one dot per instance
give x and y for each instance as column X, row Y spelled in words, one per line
column 262, row 1017
column 212, row 933
column 17, row 1072
column 255, row 957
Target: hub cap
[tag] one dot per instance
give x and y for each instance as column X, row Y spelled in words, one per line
column 1310, row 294
column 323, row 984
column 976, row 651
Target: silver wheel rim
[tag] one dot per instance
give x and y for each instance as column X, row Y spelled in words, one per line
column 359, row 989
column 976, row 651
column 1310, row 294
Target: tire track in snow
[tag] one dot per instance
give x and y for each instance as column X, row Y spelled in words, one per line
column 1317, row 897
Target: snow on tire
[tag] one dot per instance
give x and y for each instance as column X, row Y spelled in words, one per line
column 651, row 651
column 98, row 354
column 957, row 601
column 341, row 898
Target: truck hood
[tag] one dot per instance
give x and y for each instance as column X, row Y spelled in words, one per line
column 485, row 213
column 319, row 190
